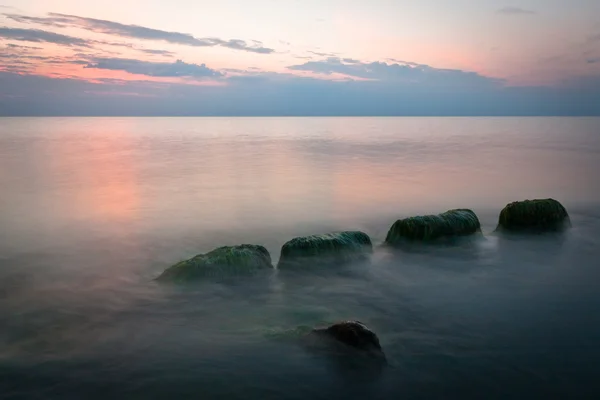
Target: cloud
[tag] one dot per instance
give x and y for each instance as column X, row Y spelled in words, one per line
column 137, row 32
column 131, row 46
column 115, row 44
column 16, row 59
column 15, row 70
column 25, row 57
column 515, row 11
column 407, row 74
column 75, row 62
column 237, row 44
column 154, row 69
column 21, row 62
column 395, row 60
column 157, row 52
column 594, row 38
column 593, row 60
column 321, row 54
column 16, row 46
column 24, row 19
column 39, row 36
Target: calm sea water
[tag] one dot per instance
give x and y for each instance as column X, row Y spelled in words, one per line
column 92, row 209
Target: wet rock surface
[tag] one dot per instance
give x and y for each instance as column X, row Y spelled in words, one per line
column 349, row 336
column 533, row 215
column 331, row 248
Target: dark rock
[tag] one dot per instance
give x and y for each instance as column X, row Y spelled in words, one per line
column 331, row 248
column 352, row 334
column 427, row 228
column 533, row 215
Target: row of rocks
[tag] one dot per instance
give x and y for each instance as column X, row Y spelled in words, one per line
column 351, row 246
column 342, row 247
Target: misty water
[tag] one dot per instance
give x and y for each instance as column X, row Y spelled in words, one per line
column 93, row 209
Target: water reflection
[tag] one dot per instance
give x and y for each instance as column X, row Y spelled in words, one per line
column 93, row 209
column 95, row 174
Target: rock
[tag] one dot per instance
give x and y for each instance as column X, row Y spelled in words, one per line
column 533, row 215
column 222, row 262
column 354, row 334
column 426, row 228
column 331, row 248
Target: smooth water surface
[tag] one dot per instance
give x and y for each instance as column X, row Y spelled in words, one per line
column 93, row 209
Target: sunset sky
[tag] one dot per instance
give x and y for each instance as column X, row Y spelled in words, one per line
column 300, row 57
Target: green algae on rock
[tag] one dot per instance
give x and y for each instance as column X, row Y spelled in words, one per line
column 533, row 215
column 223, row 262
column 329, row 248
column 452, row 223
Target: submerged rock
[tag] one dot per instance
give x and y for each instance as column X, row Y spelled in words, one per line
column 354, row 334
column 533, row 215
column 426, row 228
column 330, row 248
column 222, row 262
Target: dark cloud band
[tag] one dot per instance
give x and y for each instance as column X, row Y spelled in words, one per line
column 137, row 32
column 154, row 69
column 40, row 36
column 406, row 74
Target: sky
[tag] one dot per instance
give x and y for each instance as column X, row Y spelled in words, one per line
column 300, row 57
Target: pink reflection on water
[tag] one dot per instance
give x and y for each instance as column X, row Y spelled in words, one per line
column 95, row 170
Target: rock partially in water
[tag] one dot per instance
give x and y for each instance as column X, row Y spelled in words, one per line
column 533, row 215
column 223, row 262
column 352, row 334
column 426, row 228
column 331, row 248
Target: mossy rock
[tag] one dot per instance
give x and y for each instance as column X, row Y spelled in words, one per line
column 223, row 262
column 533, row 215
column 426, row 228
column 330, row 248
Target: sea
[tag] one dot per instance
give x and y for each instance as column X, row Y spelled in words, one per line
column 92, row 210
